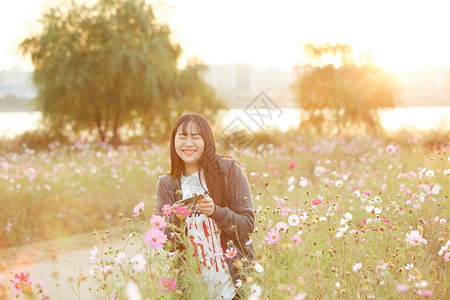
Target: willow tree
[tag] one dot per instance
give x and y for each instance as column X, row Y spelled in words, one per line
column 337, row 89
column 110, row 64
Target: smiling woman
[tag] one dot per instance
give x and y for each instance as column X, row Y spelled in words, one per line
column 219, row 222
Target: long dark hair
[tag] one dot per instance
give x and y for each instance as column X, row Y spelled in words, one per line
column 208, row 162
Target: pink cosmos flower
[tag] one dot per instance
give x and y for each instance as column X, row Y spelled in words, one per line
column 390, row 149
column 296, row 239
column 167, row 210
column 317, row 201
column 158, row 222
column 138, row 208
column 447, row 256
column 183, row 211
column 269, row 166
column 292, row 164
column 282, row 227
column 168, row 284
column 425, row 293
column 230, row 252
column 272, row 237
column 19, row 281
column 402, row 288
column 368, row 192
column 276, row 173
column 155, row 237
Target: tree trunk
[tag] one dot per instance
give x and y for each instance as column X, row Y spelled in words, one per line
column 115, row 139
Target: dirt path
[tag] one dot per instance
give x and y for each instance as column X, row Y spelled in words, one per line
column 56, row 264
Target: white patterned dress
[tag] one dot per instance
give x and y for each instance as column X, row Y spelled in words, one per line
column 204, row 237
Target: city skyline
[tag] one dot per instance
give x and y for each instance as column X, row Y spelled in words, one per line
column 237, row 82
column 399, row 35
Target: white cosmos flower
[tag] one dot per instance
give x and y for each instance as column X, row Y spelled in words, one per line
column 303, row 182
column 291, row 180
column 293, row 220
column 415, row 238
column 357, row 267
column 370, row 208
column 93, row 254
column 255, row 289
column 120, row 256
column 138, row 261
column 259, row 268
column 300, row 296
column 238, row 283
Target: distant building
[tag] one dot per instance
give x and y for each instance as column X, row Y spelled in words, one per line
column 426, row 86
column 239, row 84
column 17, row 83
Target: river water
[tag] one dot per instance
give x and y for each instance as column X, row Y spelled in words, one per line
column 414, row 117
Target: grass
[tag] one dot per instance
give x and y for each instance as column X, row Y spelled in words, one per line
column 352, row 242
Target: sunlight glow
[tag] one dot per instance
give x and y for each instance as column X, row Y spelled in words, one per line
column 398, row 34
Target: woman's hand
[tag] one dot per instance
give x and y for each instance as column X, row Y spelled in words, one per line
column 206, row 206
column 177, row 213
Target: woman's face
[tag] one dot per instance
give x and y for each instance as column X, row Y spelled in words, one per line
column 189, row 145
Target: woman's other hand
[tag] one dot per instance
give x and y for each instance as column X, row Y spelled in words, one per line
column 206, row 206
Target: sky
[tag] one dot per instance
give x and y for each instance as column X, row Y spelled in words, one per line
column 398, row 34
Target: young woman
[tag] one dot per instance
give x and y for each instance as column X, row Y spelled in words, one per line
column 219, row 225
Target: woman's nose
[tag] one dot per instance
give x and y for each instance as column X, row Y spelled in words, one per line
column 189, row 142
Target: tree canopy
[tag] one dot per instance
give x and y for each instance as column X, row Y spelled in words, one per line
column 337, row 89
column 109, row 65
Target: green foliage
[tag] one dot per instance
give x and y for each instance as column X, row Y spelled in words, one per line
column 338, row 90
column 111, row 65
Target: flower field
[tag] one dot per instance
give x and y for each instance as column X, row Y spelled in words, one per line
column 358, row 219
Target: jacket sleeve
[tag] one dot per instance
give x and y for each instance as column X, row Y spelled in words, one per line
column 238, row 219
column 173, row 234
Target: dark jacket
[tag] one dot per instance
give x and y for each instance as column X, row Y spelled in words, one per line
column 236, row 220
